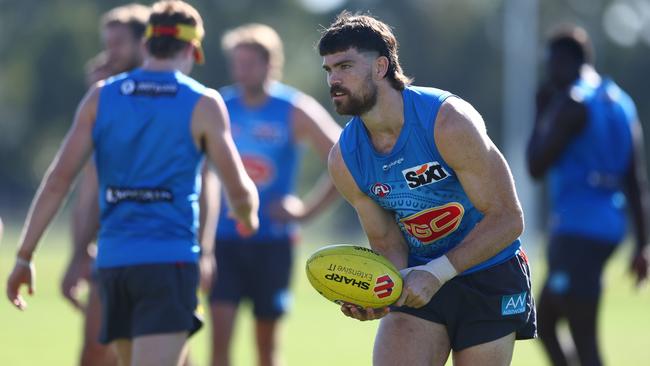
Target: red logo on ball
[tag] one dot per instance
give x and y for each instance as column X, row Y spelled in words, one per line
column 384, row 286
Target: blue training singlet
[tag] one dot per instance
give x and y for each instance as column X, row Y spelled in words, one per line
column 148, row 168
column 264, row 137
column 586, row 181
column 415, row 183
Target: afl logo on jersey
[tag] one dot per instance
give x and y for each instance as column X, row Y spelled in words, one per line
column 127, row 87
column 424, row 174
column 434, row 223
column 380, row 189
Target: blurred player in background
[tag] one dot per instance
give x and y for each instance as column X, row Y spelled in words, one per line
column 436, row 197
column 150, row 129
column 269, row 121
column 588, row 140
column 121, row 30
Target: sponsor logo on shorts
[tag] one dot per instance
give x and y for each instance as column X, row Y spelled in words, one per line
column 149, row 88
column 384, row 286
column 347, row 280
column 424, row 174
column 380, row 189
column 434, row 223
column 142, row 195
column 513, row 304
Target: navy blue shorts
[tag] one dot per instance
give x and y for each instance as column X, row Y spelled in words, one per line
column 575, row 265
column 259, row 272
column 484, row 306
column 148, row 299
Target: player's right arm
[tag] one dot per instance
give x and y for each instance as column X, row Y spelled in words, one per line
column 211, row 132
column 379, row 225
column 72, row 155
column 559, row 119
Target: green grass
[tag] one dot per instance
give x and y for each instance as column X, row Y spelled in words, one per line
column 315, row 333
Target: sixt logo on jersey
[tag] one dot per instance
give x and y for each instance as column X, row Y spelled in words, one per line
column 434, row 223
column 424, row 174
column 384, row 286
column 380, row 189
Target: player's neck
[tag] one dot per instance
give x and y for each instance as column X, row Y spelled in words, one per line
column 387, row 116
column 255, row 96
column 167, row 64
column 385, row 120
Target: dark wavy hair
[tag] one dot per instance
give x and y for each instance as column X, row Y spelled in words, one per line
column 365, row 33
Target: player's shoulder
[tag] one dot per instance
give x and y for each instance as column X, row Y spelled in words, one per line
column 190, row 83
column 426, row 91
column 350, row 138
column 616, row 94
column 335, row 158
column 229, row 92
column 285, row 93
column 456, row 117
column 210, row 98
column 337, row 167
column 94, row 91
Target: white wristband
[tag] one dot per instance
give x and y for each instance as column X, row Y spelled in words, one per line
column 23, row 262
column 441, row 268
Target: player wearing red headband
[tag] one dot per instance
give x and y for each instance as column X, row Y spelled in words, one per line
column 149, row 130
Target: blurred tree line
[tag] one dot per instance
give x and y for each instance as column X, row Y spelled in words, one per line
column 449, row 44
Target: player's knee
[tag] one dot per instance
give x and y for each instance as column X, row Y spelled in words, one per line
column 93, row 354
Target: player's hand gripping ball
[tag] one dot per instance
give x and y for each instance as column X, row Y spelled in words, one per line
column 355, row 275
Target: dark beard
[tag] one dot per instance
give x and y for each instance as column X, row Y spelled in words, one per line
column 357, row 105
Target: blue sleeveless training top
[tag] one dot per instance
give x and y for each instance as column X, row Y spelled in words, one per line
column 586, row 181
column 264, row 137
column 415, row 183
column 148, row 168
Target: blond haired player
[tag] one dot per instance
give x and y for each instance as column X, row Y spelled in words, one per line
column 270, row 121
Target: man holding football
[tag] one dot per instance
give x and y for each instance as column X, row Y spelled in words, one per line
column 447, row 213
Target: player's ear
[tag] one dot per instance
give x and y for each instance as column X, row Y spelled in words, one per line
column 381, row 67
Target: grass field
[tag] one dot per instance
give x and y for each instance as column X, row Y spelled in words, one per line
column 315, row 333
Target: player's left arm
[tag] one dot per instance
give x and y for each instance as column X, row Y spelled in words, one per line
column 315, row 126
column 209, row 203
column 636, row 190
column 463, row 142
